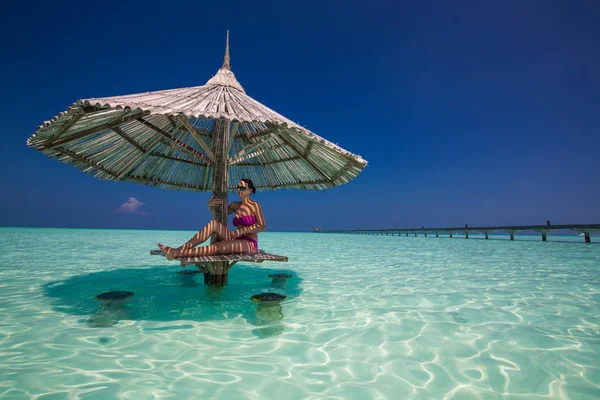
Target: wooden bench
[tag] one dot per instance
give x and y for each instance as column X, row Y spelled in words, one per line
column 216, row 268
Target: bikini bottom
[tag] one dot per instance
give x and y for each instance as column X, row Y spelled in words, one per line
column 249, row 239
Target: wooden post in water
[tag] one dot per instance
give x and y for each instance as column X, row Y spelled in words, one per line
column 218, row 274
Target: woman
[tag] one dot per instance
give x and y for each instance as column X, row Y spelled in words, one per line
column 248, row 219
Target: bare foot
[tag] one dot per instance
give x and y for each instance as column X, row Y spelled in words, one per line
column 169, row 252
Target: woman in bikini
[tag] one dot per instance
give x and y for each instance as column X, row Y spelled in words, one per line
column 248, row 220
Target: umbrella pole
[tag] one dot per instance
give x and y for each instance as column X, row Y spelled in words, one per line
column 217, row 273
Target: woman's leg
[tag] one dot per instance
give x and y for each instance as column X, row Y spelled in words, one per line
column 222, row 232
column 228, row 247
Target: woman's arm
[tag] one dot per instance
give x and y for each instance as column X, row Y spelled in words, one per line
column 233, row 207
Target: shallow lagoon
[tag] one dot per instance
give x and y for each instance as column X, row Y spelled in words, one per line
column 365, row 317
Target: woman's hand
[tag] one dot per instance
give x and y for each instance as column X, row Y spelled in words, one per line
column 215, row 202
column 238, row 232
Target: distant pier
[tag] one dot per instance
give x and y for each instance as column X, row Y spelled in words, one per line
column 584, row 229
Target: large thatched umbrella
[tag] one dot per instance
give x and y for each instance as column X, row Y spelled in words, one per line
column 202, row 138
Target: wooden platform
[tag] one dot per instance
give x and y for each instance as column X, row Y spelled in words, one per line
column 259, row 256
column 585, row 229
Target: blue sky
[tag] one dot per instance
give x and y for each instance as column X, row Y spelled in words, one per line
column 468, row 112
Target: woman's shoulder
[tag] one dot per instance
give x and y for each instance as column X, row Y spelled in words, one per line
column 253, row 203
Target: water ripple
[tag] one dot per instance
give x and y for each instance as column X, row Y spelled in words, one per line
column 366, row 317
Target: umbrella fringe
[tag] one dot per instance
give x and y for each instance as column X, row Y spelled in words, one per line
column 166, row 139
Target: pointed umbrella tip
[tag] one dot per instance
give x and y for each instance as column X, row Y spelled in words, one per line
column 226, row 61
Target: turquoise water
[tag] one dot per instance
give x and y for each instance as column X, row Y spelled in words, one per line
column 367, row 317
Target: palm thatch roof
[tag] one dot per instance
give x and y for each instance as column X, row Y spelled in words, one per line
column 165, row 139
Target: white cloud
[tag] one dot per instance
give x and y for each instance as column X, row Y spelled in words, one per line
column 132, row 206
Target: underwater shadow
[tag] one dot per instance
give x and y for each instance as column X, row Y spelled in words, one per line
column 166, row 294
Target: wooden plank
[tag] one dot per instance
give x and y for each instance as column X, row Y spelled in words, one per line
column 210, row 267
column 231, row 264
column 257, row 135
column 294, row 184
column 207, row 170
column 251, row 164
column 176, row 124
column 338, row 151
column 300, row 153
column 514, row 229
column 84, row 160
column 163, row 181
column 186, row 124
column 236, row 126
column 259, row 256
column 200, row 267
column 220, row 171
column 247, row 150
column 125, row 136
column 66, row 126
column 176, row 141
column 342, row 170
column 220, row 177
column 179, row 159
column 140, row 159
column 308, row 148
column 176, row 146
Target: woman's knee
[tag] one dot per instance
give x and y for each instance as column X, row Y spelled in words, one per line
column 217, row 224
column 248, row 247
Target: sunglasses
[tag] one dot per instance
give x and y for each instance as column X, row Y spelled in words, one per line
column 242, row 188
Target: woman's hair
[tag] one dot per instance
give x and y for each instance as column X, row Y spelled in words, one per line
column 250, row 184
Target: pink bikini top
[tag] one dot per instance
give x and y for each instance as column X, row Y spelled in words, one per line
column 244, row 220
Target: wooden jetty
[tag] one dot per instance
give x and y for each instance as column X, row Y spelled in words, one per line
column 584, row 229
